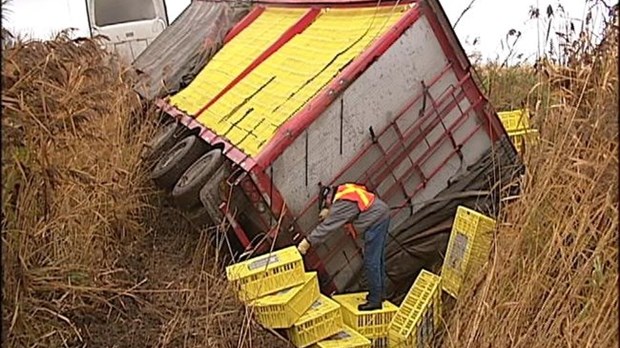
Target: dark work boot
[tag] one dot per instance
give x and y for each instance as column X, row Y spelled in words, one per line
column 367, row 306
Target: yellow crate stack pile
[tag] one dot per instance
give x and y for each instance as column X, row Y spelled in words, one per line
column 283, row 296
column 371, row 324
column 415, row 322
column 517, row 124
column 468, row 248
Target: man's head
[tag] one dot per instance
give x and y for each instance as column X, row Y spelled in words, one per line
column 326, row 196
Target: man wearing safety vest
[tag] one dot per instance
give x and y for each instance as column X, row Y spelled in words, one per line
column 358, row 210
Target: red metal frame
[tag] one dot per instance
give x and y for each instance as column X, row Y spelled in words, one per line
column 368, row 147
column 432, row 148
column 239, row 232
column 291, row 129
column 472, row 90
column 235, row 154
column 295, row 29
column 320, row 263
column 244, row 23
column 420, row 161
column 382, row 166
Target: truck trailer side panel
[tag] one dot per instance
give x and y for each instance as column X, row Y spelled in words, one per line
column 423, row 148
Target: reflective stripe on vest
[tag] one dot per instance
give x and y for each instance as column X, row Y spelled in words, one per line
column 357, row 194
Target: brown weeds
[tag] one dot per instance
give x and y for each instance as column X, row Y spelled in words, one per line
column 552, row 278
column 90, row 257
column 72, row 188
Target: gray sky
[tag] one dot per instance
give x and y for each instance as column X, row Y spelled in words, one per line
column 487, row 22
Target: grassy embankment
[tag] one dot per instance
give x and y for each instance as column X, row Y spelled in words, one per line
column 92, row 256
column 552, row 278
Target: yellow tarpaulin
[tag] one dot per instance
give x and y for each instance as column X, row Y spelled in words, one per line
column 249, row 114
column 230, row 61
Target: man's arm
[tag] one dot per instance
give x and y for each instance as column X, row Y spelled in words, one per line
column 341, row 212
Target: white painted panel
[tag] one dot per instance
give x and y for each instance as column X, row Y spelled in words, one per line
column 374, row 99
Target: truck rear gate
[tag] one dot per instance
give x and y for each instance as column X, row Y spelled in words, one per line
column 380, row 95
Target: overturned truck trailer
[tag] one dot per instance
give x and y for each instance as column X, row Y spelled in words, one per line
column 307, row 92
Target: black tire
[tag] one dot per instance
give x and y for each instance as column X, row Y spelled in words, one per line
column 171, row 165
column 163, row 140
column 210, row 193
column 186, row 192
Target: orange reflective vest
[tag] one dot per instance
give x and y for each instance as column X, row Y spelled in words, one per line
column 355, row 193
column 358, row 194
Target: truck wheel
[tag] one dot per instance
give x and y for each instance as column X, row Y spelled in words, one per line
column 161, row 142
column 186, row 192
column 173, row 163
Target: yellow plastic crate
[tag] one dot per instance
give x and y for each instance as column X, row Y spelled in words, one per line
column 515, row 120
column 322, row 320
column 347, row 338
column 415, row 322
column 371, row 324
column 267, row 274
column 381, row 342
column 468, row 248
column 282, row 309
column 524, row 139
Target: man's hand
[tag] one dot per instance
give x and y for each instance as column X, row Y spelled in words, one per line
column 323, row 214
column 303, row 246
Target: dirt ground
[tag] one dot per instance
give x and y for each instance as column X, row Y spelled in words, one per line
column 192, row 305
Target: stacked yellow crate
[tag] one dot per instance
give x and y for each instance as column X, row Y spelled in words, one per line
column 347, row 338
column 371, row 324
column 282, row 309
column 415, row 321
column 468, row 248
column 267, row 274
column 282, row 296
column 321, row 321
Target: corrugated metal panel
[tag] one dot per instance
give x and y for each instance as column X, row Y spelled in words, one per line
column 184, row 47
column 234, row 57
column 250, row 113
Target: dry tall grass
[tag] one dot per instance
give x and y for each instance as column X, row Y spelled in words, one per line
column 72, row 191
column 552, row 280
column 90, row 258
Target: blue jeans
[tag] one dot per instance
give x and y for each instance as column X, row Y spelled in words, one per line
column 374, row 260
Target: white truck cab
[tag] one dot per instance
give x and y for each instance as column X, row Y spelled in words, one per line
column 130, row 25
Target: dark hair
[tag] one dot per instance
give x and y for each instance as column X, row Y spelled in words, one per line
column 324, row 193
